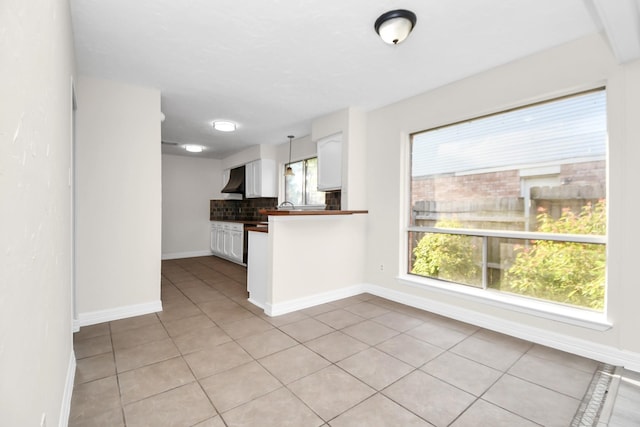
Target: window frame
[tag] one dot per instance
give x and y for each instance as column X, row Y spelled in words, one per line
column 304, row 182
column 547, row 309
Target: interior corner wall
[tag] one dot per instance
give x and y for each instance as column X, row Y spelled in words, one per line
column 352, row 124
column 579, row 65
column 118, row 219
column 188, row 183
column 36, row 351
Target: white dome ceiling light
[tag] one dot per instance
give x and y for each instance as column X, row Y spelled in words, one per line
column 224, row 126
column 394, row 26
column 193, row 148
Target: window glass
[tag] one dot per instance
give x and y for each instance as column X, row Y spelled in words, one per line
column 515, row 202
column 302, row 187
column 294, row 185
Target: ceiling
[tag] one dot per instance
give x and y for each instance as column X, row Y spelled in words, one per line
column 274, row 66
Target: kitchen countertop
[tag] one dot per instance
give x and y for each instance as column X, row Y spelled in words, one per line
column 261, row 227
column 294, row 212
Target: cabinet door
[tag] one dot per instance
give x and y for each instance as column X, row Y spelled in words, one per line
column 268, row 178
column 220, row 240
column 226, row 241
column 214, row 238
column 260, row 179
column 330, row 163
column 252, row 179
column 236, row 245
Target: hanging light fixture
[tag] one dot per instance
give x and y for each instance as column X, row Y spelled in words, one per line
column 288, row 171
column 394, row 26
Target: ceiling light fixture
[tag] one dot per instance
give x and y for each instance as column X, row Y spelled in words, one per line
column 288, row 171
column 394, row 26
column 193, row 148
column 224, row 126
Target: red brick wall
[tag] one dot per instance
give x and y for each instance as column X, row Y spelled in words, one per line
column 497, row 184
column 467, row 187
column 583, row 173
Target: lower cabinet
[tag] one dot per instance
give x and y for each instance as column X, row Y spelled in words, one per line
column 227, row 240
column 257, row 268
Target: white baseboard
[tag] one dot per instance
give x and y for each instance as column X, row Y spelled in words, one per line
column 65, row 407
column 192, row 254
column 589, row 349
column 101, row 316
column 312, row 300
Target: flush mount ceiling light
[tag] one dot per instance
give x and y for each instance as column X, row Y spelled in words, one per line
column 193, row 148
column 224, row 126
column 394, row 26
column 288, row 171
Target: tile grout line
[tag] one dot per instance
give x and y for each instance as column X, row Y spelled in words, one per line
column 232, row 296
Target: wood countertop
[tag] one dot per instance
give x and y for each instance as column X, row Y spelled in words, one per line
column 263, row 229
column 294, row 212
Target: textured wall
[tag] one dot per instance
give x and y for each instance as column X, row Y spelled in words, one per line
column 188, row 183
column 36, row 355
column 119, row 196
column 579, row 65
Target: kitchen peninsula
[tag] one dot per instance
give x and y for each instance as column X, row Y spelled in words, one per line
column 304, row 258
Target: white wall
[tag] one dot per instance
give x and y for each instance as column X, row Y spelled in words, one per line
column 580, row 65
column 188, row 183
column 36, row 354
column 352, row 124
column 118, row 200
column 313, row 259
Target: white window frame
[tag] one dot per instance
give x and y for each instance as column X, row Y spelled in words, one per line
column 539, row 308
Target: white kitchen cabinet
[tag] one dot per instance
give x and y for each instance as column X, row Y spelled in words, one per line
column 260, row 179
column 217, row 238
column 257, row 268
column 233, row 242
column 330, row 163
column 227, row 240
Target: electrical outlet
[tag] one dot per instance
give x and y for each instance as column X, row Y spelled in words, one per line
column 381, row 267
column 43, row 420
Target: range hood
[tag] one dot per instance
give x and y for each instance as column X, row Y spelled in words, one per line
column 236, row 181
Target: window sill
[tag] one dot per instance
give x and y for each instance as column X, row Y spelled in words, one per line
column 573, row 316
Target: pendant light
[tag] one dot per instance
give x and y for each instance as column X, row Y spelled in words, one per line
column 288, row 171
column 394, row 26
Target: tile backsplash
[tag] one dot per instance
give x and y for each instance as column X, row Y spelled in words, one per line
column 333, row 200
column 240, row 210
column 247, row 209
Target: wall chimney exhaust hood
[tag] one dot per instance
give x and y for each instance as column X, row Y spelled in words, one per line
column 236, row 181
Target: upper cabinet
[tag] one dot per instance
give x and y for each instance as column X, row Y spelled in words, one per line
column 260, row 179
column 330, row 163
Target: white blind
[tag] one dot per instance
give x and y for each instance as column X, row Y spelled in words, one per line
column 560, row 130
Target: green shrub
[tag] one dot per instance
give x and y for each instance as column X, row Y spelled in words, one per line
column 571, row 273
column 448, row 256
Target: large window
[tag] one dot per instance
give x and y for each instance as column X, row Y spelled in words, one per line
column 515, row 202
column 302, row 188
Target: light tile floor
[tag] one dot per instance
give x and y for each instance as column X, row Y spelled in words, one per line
column 212, row 359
